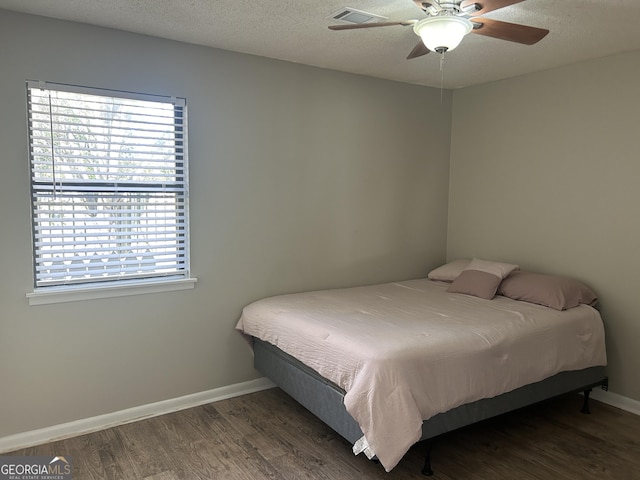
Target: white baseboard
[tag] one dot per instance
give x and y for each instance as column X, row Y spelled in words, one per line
column 121, row 417
column 615, row 400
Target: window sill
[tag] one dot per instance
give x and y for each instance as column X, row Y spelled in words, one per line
column 74, row 293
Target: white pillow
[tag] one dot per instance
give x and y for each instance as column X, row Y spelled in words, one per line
column 500, row 270
column 449, row 271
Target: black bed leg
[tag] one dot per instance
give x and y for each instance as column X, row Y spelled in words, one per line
column 585, row 405
column 426, row 470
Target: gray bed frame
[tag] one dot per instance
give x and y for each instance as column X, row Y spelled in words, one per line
column 326, row 400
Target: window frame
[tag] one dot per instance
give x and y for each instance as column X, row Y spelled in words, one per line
column 74, row 287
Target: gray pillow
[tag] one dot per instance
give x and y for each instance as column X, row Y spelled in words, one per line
column 553, row 291
column 476, row 283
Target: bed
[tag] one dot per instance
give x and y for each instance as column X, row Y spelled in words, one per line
column 389, row 365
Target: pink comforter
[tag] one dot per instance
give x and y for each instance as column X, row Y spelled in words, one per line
column 406, row 351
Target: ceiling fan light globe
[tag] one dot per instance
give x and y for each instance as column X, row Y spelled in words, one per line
column 443, row 33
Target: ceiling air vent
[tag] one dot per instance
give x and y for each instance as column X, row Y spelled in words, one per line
column 351, row 15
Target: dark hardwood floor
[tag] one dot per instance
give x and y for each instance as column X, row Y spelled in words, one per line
column 267, row 435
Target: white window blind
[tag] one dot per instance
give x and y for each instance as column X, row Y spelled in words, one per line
column 109, row 185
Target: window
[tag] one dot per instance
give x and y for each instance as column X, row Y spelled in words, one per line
column 109, row 186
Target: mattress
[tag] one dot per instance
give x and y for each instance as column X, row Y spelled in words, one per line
column 405, row 351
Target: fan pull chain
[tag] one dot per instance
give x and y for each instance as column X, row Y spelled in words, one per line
column 441, row 76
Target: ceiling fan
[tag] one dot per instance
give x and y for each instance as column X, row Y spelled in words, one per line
column 447, row 23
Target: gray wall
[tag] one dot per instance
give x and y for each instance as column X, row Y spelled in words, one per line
column 301, row 178
column 544, row 173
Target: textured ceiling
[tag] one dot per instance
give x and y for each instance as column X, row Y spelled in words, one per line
column 297, row 31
